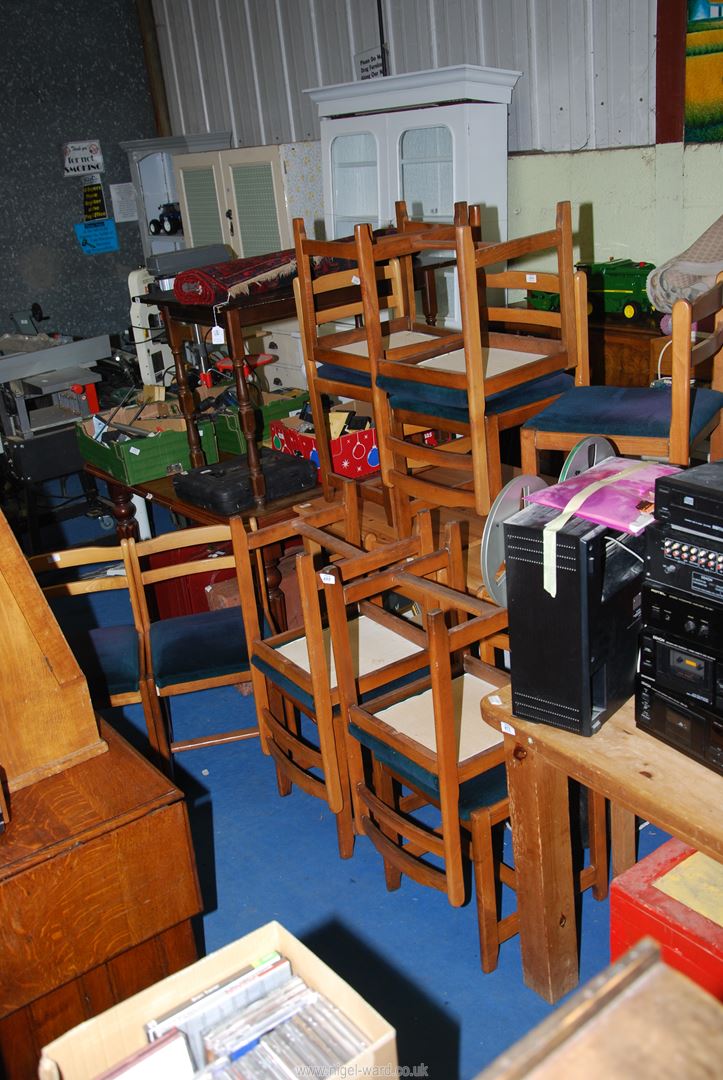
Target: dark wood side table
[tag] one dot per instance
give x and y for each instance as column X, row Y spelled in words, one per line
column 97, row 889
column 620, row 351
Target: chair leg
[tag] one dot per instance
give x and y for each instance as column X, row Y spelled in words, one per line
column 401, row 513
column 716, row 443
column 494, row 462
column 158, row 727
column 529, row 456
column 384, row 787
column 485, row 884
column 345, row 830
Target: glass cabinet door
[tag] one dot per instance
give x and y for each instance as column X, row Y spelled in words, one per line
column 355, row 181
column 426, row 174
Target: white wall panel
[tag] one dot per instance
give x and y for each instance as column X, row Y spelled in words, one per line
column 408, row 25
column 240, row 67
column 300, row 64
column 270, row 70
column 588, row 65
column 333, row 42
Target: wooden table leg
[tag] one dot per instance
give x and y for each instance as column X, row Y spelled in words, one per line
column 540, row 818
column 623, row 838
column 247, row 413
column 270, row 556
column 124, row 511
column 185, row 394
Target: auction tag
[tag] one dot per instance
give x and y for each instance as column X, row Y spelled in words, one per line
column 217, row 335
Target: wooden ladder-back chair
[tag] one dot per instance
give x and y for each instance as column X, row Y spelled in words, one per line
column 337, row 363
column 422, row 745
column 495, row 380
column 110, row 654
column 293, row 675
column 660, row 422
column 198, row 651
column 421, row 277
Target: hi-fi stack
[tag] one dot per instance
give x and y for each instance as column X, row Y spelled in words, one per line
column 679, row 690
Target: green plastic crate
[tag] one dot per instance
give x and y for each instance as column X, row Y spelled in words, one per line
column 229, row 435
column 139, row 460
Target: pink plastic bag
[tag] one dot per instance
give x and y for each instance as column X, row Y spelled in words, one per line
column 624, row 502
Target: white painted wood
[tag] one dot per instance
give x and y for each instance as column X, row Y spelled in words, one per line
column 228, row 213
column 479, row 165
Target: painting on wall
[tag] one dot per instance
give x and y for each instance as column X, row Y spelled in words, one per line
column 704, row 72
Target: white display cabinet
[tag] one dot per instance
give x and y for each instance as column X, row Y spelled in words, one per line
column 236, row 197
column 151, row 166
column 432, row 138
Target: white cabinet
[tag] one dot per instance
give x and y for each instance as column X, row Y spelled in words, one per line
column 235, row 197
column 432, row 138
column 151, row 166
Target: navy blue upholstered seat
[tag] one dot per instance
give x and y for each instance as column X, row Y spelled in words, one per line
column 483, row 790
column 613, row 410
column 205, row 645
column 296, row 691
column 336, row 373
column 452, row 404
column 109, row 658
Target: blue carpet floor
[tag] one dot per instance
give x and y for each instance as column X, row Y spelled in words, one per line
column 409, row 953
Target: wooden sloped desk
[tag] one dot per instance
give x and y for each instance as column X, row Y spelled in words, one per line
column 97, row 889
column 639, row 774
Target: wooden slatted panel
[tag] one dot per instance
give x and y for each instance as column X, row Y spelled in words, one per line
column 588, row 65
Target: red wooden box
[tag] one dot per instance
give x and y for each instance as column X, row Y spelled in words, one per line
column 690, row 942
column 352, row 455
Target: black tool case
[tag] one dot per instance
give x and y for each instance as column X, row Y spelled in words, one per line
column 225, row 488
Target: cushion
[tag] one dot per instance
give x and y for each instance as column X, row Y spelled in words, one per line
column 108, row 657
column 616, row 410
column 451, row 404
column 189, row 648
column 414, row 718
column 334, row 373
column 373, row 647
column 483, row 790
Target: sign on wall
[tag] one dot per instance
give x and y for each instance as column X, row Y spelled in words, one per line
column 369, row 64
column 97, row 237
column 82, row 157
column 93, row 198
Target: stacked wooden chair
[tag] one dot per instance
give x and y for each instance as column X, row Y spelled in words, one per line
column 423, row 744
column 490, row 380
column 294, row 678
column 336, row 358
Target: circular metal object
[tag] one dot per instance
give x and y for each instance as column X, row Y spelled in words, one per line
column 508, row 502
column 585, row 454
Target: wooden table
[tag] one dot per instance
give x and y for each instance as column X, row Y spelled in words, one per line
column 639, row 774
column 233, row 317
column 97, row 888
column 162, row 492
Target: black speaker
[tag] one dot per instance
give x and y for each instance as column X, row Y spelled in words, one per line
column 574, row 636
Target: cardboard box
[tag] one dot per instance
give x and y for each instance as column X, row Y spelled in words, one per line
column 102, row 1042
column 354, row 455
column 165, row 451
column 275, row 406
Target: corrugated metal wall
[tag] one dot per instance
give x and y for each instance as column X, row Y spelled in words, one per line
column 241, row 65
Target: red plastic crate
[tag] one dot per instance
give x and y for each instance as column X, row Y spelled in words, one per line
column 690, row 942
